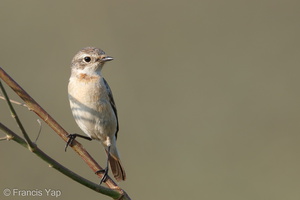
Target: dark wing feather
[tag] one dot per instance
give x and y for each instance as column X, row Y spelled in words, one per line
column 112, row 103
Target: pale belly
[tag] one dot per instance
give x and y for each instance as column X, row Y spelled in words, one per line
column 92, row 111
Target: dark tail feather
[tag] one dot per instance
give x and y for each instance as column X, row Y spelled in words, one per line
column 117, row 169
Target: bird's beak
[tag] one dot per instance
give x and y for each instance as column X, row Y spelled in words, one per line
column 105, row 58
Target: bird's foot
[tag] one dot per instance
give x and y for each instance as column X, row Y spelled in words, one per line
column 105, row 174
column 72, row 138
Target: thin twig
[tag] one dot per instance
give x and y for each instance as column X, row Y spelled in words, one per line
column 13, row 101
column 37, row 137
column 3, row 138
column 16, row 117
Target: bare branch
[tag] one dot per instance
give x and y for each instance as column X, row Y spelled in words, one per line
column 4, row 138
column 37, row 137
column 13, row 101
column 16, row 117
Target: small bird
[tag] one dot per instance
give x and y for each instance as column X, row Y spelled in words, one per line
column 93, row 106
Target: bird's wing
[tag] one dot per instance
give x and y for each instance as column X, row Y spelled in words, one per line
column 112, row 103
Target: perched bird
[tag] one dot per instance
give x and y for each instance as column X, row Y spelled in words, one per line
column 93, row 106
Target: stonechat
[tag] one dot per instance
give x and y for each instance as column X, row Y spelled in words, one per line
column 93, row 106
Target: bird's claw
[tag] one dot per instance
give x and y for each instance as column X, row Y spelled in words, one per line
column 105, row 174
column 70, row 140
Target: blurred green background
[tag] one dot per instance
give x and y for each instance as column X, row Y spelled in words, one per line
column 207, row 94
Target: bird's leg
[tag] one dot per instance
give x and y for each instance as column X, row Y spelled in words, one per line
column 105, row 170
column 72, row 138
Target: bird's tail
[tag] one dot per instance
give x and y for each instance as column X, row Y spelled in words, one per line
column 116, row 165
column 117, row 169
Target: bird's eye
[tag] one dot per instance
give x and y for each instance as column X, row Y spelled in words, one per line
column 87, row 59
